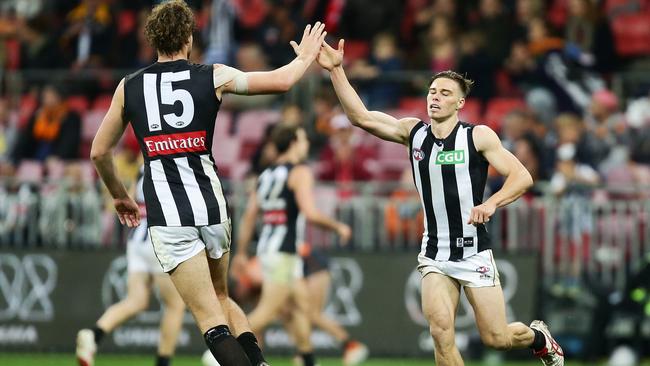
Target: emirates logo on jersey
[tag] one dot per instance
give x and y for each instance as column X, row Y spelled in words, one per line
column 418, row 154
column 175, row 143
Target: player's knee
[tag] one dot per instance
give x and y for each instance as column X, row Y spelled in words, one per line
column 140, row 303
column 443, row 336
column 498, row 341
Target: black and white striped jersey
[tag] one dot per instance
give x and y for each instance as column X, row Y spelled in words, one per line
column 173, row 107
column 284, row 225
column 450, row 177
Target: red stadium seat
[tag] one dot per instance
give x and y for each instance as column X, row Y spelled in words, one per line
column 413, row 103
column 632, row 34
column 78, row 103
column 251, row 125
column 222, row 124
column 90, row 124
column 471, row 111
column 28, row 105
column 497, row 108
column 30, row 171
column 355, row 50
column 102, row 102
column 225, row 151
column 126, row 22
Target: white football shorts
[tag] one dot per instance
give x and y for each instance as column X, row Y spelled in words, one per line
column 478, row 270
column 139, row 252
column 281, row 268
column 175, row 245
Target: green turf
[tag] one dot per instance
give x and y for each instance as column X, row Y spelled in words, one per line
column 57, row 359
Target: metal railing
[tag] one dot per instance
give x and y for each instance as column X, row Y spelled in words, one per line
column 574, row 237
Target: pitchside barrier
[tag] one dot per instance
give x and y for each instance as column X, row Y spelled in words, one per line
column 47, row 296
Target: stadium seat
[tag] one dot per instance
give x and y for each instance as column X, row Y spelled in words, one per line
column 413, row 103
column 250, row 125
column 471, row 111
column 126, row 22
column 102, row 101
column 78, row 103
column 28, row 105
column 90, row 123
column 355, row 50
column 497, row 108
column 632, row 34
column 30, row 171
column 222, row 124
column 225, row 151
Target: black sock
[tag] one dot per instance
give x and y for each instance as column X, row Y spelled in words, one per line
column 308, row 359
column 163, row 360
column 249, row 343
column 99, row 334
column 539, row 342
column 224, row 347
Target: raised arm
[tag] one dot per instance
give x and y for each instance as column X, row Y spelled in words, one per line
column 101, row 153
column 379, row 124
column 301, row 180
column 230, row 80
column 518, row 179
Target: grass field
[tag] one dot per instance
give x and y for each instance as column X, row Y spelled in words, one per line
column 57, row 359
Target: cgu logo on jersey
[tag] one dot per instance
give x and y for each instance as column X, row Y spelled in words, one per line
column 450, row 157
column 175, row 143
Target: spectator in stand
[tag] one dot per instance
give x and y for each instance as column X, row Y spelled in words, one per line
column 530, row 151
column 438, row 47
column 383, row 59
column 608, row 131
column 39, row 49
column 495, row 24
column 403, row 215
column 525, row 11
column 220, row 32
column 88, row 34
column 344, row 159
column 277, row 30
column 571, row 131
column 589, row 37
column 363, row 19
column 475, row 64
column 515, row 125
column 54, row 131
column 8, row 134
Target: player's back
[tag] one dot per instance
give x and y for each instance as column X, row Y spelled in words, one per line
column 173, row 107
column 283, row 227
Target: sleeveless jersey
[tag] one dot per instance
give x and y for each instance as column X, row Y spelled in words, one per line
column 284, row 225
column 450, row 177
column 173, row 107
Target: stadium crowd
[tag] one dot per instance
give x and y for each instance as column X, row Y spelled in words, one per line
column 544, row 72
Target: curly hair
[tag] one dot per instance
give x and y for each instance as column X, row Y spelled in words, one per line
column 463, row 82
column 169, row 26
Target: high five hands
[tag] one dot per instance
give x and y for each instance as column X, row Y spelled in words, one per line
column 313, row 45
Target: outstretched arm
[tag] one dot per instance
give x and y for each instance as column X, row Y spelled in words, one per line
column 379, row 124
column 301, row 181
column 518, row 180
column 278, row 80
column 101, row 153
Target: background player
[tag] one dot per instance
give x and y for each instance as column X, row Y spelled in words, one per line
column 450, row 161
column 143, row 272
column 285, row 198
column 172, row 106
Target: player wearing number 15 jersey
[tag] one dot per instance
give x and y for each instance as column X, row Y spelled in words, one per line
column 172, row 106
